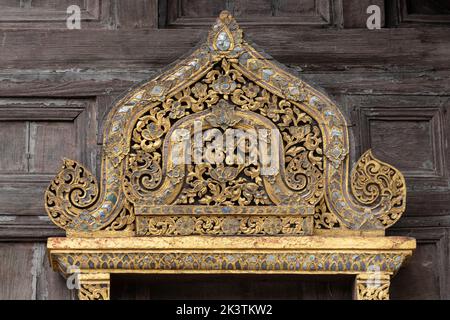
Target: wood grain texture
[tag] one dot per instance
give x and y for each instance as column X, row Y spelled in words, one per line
column 137, row 14
column 25, row 273
column 13, row 147
column 258, row 13
column 422, row 11
column 426, row 275
column 408, row 131
column 37, row 134
column 393, row 85
column 355, row 12
column 17, row 272
column 95, row 14
column 335, row 49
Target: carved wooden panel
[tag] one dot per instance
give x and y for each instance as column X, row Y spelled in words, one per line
column 424, row 11
column 426, row 274
column 184, row 13
column 49, row 12
column 14, row 150
column 355, row 12
column 412, row 129
column 95, row 14
column 36, row 134
column 410, row 132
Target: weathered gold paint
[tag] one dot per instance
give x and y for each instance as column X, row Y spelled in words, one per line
column 306, row 218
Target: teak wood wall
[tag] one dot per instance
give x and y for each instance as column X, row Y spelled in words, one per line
column 56, row 85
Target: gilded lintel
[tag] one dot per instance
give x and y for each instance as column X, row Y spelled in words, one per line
column 371, row 259
column 93, row 286
column 372, row 286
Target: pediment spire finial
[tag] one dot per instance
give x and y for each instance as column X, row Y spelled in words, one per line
column 225, row 38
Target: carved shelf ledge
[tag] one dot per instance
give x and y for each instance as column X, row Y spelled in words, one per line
column 280, row 198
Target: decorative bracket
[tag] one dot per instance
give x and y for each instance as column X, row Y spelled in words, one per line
column 93, row 286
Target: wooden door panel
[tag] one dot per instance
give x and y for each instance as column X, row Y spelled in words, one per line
column 26, row 274
column 49, row 143
column 51, row 13
column 211, row 9
column 410, row 137
column 424, row 8
column 355, row 12
column 410, row 132
column 95, row 14
column 195, row 13
column 37, row 133
column 411, row 13
column 426, row 275
column 410, row 143
column 13, row 147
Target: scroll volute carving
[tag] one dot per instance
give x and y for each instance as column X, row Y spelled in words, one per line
column 226, row 86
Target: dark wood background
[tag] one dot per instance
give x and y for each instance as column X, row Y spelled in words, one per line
column 56, row 85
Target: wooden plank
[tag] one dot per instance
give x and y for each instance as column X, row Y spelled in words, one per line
column 423, row 221
column 71, row 132
column 404, row 138
column 251, row 8
column 393, row 47
column 70, row 82
column 112, row 82
column 424, row 203
column 50, row 284
column 22, row 198
column 380, row 81
column 297, row 8
column 28, row 233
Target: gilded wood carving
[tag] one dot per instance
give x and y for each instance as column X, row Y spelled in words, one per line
column 285, row 174
column 226, row 84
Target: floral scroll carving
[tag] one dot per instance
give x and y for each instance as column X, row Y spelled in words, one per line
column 376, row 183
column 72, row 191
column 226, row 85
column 372, row 286
column 94, row 286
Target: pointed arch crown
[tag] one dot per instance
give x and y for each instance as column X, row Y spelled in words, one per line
column 263, row 153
